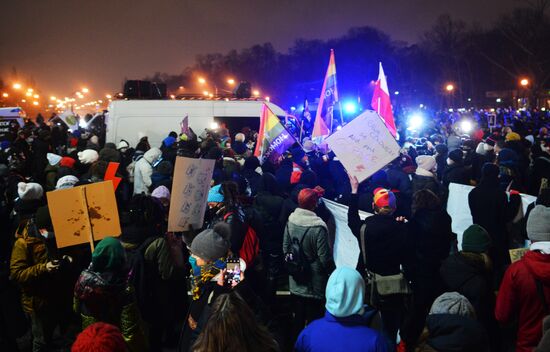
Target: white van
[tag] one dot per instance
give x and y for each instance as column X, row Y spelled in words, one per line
column 8, row 117
column 133, row 119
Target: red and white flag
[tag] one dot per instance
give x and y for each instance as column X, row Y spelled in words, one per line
column 381, row 102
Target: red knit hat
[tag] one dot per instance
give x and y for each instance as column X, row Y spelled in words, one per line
column 73, row 142
column 308, row 197
column 67, row 161
column 99, row 337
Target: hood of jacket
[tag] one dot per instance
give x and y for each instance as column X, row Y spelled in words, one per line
column 455, row 333
column 539, row 264
column 460, row 267
column 92, row 285
column 152, row 155
column 306, row 218
column 345, row 292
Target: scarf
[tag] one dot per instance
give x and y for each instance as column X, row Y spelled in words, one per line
column 208, row 272
column 542, row 246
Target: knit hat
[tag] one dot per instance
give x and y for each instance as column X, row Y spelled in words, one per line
column 109, row 155
column 426, row 162
column 67, row 161
column 108, row 255
column 538, row 224
column 512, row 136
column 308, row 197
column 53, row 159
column 88, row 156
column 94, row 139
column 73, row 142
column 489, row 172
column 212, row 244
column 29, row 191
column 344, row 293
column 239, row 137
column 5, row 144
column 161, row 192
column 66, row 182
column 453, row 303
column 475, row 239
column 169, row 141
column 456, row 155
column 384, row 198
column 99, row 337
column 215, row 195
column 122, row 144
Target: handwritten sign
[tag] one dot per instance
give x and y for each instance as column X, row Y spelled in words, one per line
column 189, row 193
column 84, row 214
column 517, row 254
column 346, row 247
column 364, row 145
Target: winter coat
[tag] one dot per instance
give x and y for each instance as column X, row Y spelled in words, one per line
column 420, row 182
column 50, row 177
column 539, row 174
column 28, row 269
column 456, row 333
column 470, row 275
column 430, row 237
column 106, row 297
column 350, row 334
column 253, row 179
column 144, row 170
column 456, row 173
column 316, row 251
column 385, row 240
column 399, row 180
column 491, row 210
column 518, row 298
column 269, row 207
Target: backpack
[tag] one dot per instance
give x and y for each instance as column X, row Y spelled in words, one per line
column 141, row 275
column 251, row 244
column 296, row 262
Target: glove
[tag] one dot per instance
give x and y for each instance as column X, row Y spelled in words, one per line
column 51, row 266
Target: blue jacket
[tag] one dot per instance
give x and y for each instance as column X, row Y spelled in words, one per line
column 349, row 334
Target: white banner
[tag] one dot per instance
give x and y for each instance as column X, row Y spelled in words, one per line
column 459, row 209
column 346, row 247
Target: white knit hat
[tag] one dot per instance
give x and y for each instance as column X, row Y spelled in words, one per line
column 122, row 144
column 66, row 182
column 426, row 162
column 29, row 191
column 53, row 159
column 88, row 156
column 240, row 137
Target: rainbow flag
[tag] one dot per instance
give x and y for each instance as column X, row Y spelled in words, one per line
column 329, row 96
column 273, row 138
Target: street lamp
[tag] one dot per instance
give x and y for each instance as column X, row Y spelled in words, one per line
column 85, row 90
column 17, row 86
column 256, row 93
column 201, row 80
column 449, row 87
column 5, row 95
column 231, row 81
column 524, row 82
column 53, row 98
column 108, row 96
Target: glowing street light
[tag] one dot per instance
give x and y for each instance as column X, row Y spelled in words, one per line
column 35, row 103
column 36, row 96
column 449, row 87
column 29, row 94
column 85, row 90
column 53, row 98
column 5, row 95
column 108, row 96
column 17, row 86
column 23, row 100
column 205, row 93
column 524, row 82
column 201, row 80
column 231, row 81
column 30, row 90
column 256, row 93
column 268, row 99
column 181, row 87
column 172, row 96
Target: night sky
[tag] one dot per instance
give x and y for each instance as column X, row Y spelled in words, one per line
column 65, row 44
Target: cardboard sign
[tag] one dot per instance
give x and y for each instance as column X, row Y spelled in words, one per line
column 517, row 254
column 189, row 193
column 84, row 214
column 364, row 145
column 346, row 247
column 459, row 209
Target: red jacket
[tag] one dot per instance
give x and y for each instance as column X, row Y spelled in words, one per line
column 518, row 298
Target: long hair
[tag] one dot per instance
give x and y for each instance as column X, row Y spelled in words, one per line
column 230, row 191
column 232, row 327
column 425, row 199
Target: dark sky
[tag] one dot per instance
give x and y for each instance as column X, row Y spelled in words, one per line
column 65, row 44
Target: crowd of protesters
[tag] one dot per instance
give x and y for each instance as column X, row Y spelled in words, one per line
column 153, row 290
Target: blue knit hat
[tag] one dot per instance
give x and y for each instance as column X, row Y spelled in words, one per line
column 215, row 195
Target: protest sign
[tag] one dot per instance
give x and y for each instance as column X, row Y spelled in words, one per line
column 189, row 193
column 459, row 209
column 84, row 214
column 364, row 145
column 346, row 247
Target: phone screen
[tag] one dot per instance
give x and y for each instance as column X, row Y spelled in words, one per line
column 233, row 272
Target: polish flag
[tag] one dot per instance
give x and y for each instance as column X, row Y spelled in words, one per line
column 381, row 102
